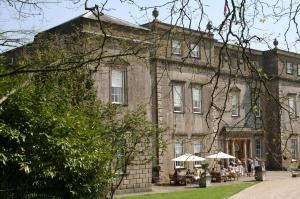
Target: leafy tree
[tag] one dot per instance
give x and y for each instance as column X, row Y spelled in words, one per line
column 55, row 133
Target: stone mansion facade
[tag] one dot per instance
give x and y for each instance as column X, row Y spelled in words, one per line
column 210, row 99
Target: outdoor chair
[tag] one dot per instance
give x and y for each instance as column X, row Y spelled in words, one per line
column 173, row 179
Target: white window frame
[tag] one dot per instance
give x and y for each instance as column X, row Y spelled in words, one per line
column 197, row 98
column 258, row 147
column 294, row 148
column 176, row 47
column 178, row 97
column 179, row 150
column 117, row 87
column 195, row 50
column 289, row 68
column 197, row 151
column 298, row 69
column 235, row 107
column 292, row 106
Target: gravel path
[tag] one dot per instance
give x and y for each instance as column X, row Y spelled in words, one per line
column 279, row 185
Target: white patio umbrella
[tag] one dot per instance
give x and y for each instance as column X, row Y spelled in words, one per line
column 220, row 155
column 188, row 158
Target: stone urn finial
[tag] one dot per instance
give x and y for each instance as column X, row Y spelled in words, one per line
column 209, row 26
column 275, row 42
column 155, row 13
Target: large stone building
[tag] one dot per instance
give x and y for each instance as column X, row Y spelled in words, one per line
column 210, row 99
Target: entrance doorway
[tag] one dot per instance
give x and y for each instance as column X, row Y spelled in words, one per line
column 239, row 147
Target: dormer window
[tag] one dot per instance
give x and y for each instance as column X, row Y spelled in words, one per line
column 176, row 47
column 195, row 51
column 289, row 68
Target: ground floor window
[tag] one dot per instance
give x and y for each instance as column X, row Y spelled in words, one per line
column 294, row 148
column 258, row 147
column 121, row 162
column 178, row 152
column 197, row 152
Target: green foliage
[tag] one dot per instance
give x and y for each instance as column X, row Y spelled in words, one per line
column 54, row 132
column 51, row 134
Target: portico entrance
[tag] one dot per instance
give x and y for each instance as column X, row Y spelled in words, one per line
column 237, row 142
column 239, row 147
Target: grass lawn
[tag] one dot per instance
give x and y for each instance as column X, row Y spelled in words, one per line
column 218, row 192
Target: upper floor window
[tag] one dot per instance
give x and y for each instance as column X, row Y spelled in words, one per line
column 178, row 97
column 176, row 47
column 294, row 148
column 117, row 87
column 292, row 105
column 258, row 147
column 255, row 64
column 235, row 105
column 178, row 152
column 196, row 95
column 195, row 50
column 298, row 69
column 257, row 108
column 289, row 68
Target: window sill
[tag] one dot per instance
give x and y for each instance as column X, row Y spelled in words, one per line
column 119, row 104
column 122, row 174
column 178, row 112
column 235, row 116
column 179, row 167
column 177, row 54
column 198, row 113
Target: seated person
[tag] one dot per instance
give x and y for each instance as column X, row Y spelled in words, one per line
column 197, row 174
column 188, row 172
column 222, row 172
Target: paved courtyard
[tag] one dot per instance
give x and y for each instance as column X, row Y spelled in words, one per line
column 279, row 185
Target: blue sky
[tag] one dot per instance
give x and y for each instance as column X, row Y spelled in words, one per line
column 57, row 13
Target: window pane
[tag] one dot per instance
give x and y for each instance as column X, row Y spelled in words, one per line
column 289, row 68
column 298, row 69
column 258, row 111
column 196, row 94
column 294, row 149
column 178, row 152
column 116, row 78
column 197, row 151
column 195, row 50
column 177, row 97
column 197, row 148
column 117, row 88
column 292, row 105
column 176, row 47
column 235, row 105
column 258, row 148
